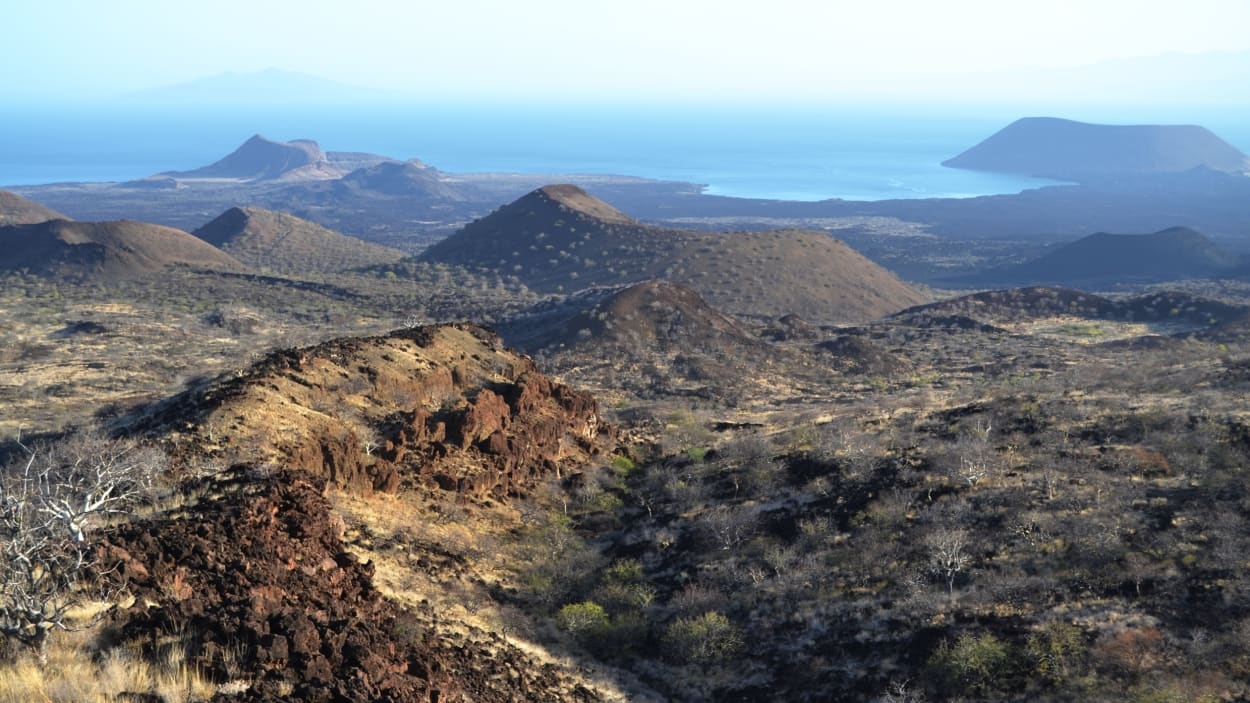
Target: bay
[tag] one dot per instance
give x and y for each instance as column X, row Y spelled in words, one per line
column 735, row 150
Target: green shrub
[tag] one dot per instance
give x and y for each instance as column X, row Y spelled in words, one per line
column 973, row 661
column 1055, row 651
column 623, row 465
column 586, row 621
column 704, row 639
column 623, row 588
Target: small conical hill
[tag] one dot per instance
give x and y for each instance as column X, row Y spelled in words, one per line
column 562, row 239
column 284, row 243
column 16, row 210
column 105, row 250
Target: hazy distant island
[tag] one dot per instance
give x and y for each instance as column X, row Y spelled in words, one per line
column 1122, row 179
column 1050, row 147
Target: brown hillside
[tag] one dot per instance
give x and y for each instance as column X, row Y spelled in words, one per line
column 284, row 243
column 16, row 210
column 1102, row 261
column 436, row 407
column 559, row 238
column 642, row 317
column 654, row 339
column 105, row 250
column 576, row 200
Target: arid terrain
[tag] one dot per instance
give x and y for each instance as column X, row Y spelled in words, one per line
column 566, row 455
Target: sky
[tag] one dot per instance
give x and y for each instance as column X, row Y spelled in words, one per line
column 626, row 50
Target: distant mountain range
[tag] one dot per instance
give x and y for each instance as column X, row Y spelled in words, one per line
column 1049, row 147
column 409, row 205
column 259, row 88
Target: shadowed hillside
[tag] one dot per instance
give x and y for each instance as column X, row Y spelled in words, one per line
column 1164, row 312
column 1049, row 147
column 652, row 338
column 644, row 316
column 105, row 250
column 16, row 210
column 1105, row 260
column 559, row 238
column 280, row 242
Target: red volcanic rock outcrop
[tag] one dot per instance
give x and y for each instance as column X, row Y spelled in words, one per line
column 260, row 583
column 442, row 406
column 256, row 573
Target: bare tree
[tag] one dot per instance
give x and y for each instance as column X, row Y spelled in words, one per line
column 948, row 554
column 901, row 692
column 976, row 456
column 729, row 526
column 50, row 504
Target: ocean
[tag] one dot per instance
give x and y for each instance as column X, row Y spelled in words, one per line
column 743, row 151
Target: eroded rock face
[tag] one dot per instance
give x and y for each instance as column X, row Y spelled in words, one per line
column 256, row 573
column 442, row 406
column 260, row 584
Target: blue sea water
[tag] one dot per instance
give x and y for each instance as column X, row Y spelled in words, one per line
column 797, row 154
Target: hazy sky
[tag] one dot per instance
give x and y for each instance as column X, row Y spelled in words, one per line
column 626, row 49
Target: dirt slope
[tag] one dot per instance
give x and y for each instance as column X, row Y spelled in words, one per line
column 16, row 210
column 281, row 242
column 105, row 250
column 562, row 239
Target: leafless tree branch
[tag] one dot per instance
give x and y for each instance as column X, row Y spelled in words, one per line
column 50, row 504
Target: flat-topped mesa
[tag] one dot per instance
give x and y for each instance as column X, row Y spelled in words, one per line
column 1050, row 147
column 261, row 159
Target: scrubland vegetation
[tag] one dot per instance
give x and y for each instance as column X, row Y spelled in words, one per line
column 1036, row 494
column 1015, row 518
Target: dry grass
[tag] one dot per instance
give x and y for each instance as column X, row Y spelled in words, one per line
column 74, row 675
column 433, row 556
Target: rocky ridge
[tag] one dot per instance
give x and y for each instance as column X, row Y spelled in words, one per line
column 256, row 565
column 433, row 407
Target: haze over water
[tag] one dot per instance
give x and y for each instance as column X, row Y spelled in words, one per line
column 798, row 154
